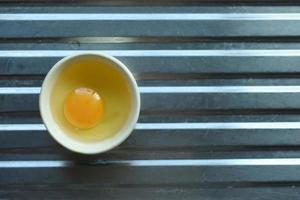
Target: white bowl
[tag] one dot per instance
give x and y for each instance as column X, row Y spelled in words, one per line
column 66, row 140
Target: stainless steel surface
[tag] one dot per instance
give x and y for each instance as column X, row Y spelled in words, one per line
column 220, row 101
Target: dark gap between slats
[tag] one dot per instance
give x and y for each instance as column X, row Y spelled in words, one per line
column 28, row 117
column 214, row 148
column 21, row 77
column 247, row 148
column 194, row 76
column 58, row 186
column 167, row 76
column 43, row 154
column 54, row 153
column 196, row 112
column 193, row 112
column 180, row 151
column 165, row 102
column 179, row 116
column 178, row 79
column 176, row 193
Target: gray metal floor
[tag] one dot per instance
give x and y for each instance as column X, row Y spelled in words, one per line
column 220, row 89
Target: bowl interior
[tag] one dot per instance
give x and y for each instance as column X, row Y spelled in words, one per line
column 115, row 84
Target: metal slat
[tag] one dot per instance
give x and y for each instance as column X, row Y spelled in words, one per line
column 41, row 65
column 151, row 144
column 130, row 175
column 189, row 192
column 204, row 24
column 179, row 101
column 184, row 80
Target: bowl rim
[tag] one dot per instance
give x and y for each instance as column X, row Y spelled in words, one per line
column 75, row 145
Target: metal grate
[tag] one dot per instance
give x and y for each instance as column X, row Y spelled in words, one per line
column 220, row 90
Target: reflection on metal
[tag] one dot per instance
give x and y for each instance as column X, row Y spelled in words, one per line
column 97, row 40
column 221, row 89
column 219, row 125
column 177, row 126
column 212, row 162
column 22, row 127
column 180, row 89
column 156, row 163
column 92, row 40
column 149, row 16
column 35, row 164
column 156, row 53
column 20, row 90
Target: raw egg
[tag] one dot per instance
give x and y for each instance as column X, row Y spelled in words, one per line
column 83, row 108
column 91, row 99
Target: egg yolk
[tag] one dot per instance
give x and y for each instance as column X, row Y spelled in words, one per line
column 83, row 108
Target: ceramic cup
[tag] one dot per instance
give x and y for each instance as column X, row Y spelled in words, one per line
column 72, row 143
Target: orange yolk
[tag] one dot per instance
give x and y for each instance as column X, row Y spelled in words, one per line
column 83, row 108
